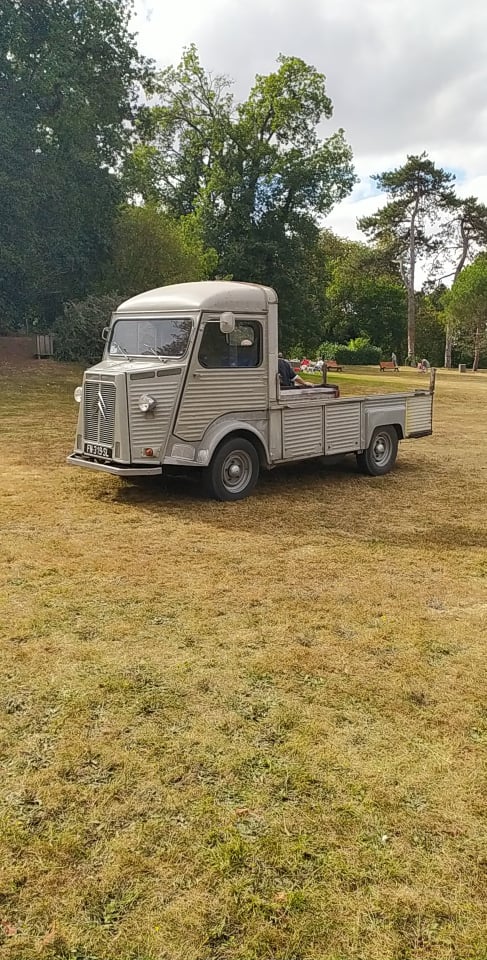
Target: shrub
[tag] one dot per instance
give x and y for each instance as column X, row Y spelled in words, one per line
column 359, row 351
column 77, row 334
column 327, row 350
column 361, row 356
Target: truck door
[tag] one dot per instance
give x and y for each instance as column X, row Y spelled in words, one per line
column 227, row 375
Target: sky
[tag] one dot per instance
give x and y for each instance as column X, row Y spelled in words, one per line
column 403, row 75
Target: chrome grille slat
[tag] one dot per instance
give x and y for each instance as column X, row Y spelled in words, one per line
column 98, row 395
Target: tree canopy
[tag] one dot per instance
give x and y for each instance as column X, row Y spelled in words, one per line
column 418, row 192
column 255, row 174
column 365, row 296
column 115, row 178
column 151, row 249
column 69, row 80
column 466, row 307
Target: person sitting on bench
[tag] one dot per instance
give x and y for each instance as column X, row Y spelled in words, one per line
column 288, row 377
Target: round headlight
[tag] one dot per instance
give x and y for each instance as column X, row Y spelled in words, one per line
column 146, row 403
column 78, row 393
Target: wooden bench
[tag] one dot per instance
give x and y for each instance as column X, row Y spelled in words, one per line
column 388, row 365
column 332, row 365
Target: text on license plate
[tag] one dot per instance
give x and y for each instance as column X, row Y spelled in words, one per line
column 98, row 450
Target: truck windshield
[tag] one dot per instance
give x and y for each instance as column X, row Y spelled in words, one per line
column 154, row 336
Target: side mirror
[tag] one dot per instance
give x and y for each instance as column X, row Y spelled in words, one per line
column 104, row 333
column 227, row 322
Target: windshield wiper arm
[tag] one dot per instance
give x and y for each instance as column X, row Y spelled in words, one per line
column 154, row 352
column 119, row 347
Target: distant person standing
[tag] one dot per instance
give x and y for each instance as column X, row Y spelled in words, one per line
column 394, row 360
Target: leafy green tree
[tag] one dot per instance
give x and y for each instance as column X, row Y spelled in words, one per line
column 466, row 307
column 430, row 333
column 255, row 174
column 462, row 236
column 151, row 249
column 69, row 81
column 418, row 193
column 78, row 331
column 366, row 298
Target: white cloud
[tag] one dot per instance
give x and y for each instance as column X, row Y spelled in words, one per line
column 403, row 77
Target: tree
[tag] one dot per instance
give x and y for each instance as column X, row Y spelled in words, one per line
column 418, row 191
column 462, row 236
column 69, row 80
column 151, row 249
column 255, row 175
column 366, row 298
column 430, row 333
column 466, row 306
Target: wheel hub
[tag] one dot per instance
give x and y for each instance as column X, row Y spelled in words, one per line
column 235, row 471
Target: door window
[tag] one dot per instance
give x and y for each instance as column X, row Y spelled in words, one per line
column 241, row 348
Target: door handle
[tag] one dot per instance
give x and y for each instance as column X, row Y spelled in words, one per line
column 196, row 376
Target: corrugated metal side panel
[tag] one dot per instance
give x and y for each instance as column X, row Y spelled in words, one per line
column 302, row 433
column 419, row 414
column 342, row 427
column 151, row 429
column 213, row 393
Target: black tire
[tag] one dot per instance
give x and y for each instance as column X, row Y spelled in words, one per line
column 233, row 471
column 381, row 453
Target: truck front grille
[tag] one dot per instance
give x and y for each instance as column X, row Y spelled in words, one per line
column 99, row 411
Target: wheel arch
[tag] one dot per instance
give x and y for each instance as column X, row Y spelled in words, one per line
column 226, row 431
column 251, row 435
column 376, row 417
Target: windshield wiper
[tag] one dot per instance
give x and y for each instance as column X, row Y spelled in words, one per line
column 154, row 352
column 122, row 349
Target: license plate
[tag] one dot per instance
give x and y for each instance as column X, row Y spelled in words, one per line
column 98, row 450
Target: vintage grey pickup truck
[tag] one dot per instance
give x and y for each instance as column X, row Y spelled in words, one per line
column 189, row 379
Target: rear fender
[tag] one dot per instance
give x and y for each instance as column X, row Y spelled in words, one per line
column 390, row 416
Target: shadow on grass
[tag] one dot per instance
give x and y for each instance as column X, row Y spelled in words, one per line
column 305, row 477
column 298, row 487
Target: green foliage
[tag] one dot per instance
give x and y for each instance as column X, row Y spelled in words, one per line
column 69, row 74
column 365, row 296
column 463, row 234
column 356, row 352
column 418, row 193
column 151, row 249
column 327, row 350
column 255, row 173
column 78, row 333
column 430, row 333
column 466, row 308
column 363, row 354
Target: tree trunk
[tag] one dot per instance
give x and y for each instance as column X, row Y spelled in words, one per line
column 448, row 347
column 411, row 298
column 411, row 321
column 476, row 351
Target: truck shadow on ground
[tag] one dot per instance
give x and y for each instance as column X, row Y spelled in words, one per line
column 309, row 495
column 295, row 479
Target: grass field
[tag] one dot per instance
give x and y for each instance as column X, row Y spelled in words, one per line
column 251, row 731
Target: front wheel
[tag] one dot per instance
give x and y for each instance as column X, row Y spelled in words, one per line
column 381, row 453
column 233, row 471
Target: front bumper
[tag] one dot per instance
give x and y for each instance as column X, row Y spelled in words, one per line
column 77, row 460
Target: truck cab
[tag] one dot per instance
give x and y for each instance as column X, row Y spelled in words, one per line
column 189, row 379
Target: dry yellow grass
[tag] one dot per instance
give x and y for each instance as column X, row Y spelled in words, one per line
column 250, row 731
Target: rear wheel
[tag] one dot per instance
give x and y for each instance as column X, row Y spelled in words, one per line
column 381, row 453
column 233, row 471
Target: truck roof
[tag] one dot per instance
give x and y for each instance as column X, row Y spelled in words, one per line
column 217, row 295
